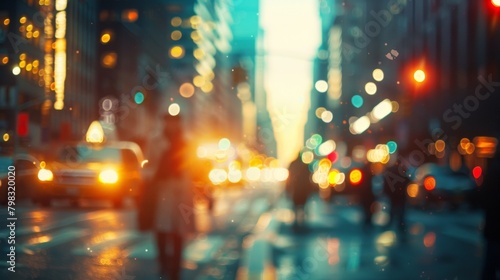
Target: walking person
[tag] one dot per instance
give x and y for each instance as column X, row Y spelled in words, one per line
column 299, row 187
column 396, row 180
column 167, row 201
column 490, row 202
column 367, row 198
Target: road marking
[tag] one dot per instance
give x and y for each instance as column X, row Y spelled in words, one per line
column 52, row 240
column 202, row 250
column 260, row 205
column 104, row 241
column 52, row 224
column 144, row 250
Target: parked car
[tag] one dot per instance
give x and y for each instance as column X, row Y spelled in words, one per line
column 109, row 171
column 21, row 169
column 439, row 185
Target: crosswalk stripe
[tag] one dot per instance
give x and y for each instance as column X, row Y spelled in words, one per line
column 144, row 250
column 260, row 205
column 52, row 240
column 202, row 250
column 52, row 224
column 241, row 207
column 106, row 240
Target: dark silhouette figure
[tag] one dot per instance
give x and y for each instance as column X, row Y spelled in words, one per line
column 396, row 180
column 299, row 188
column 167, row 202
column 491, row 204
column 366, row 196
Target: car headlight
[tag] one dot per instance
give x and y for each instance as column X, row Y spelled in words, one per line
column 108, row 176
column 45, row 175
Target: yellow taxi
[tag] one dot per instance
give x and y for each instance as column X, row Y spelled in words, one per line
column 91, row 170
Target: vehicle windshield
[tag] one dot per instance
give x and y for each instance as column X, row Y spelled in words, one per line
column 83, row 153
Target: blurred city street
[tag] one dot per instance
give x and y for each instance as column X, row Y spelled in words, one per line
column 335, row 245
column 250, row 139
column 97, row 242
column 90, row 242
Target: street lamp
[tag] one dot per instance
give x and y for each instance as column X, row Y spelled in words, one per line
column 419, row 75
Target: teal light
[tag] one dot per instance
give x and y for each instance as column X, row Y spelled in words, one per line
column 139, row 97
column 357, row 101
column 316, row 140
column 393, row 146
column 224, row 144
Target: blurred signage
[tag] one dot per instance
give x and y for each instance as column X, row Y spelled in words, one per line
column 485, row 146
column 22, row 124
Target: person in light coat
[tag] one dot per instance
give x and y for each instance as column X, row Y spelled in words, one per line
column 167, row 202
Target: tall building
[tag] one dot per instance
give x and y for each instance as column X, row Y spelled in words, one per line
column 198, row 49
column 248, row 76
column 22, row 66
column 374, row 49
column 74, row 63
column 132, row 70
column 47, row 65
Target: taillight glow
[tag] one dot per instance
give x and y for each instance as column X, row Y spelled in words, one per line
column 355, row 176
column 429, row 183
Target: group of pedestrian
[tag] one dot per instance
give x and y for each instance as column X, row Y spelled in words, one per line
column 167, row 200
column 300, row 186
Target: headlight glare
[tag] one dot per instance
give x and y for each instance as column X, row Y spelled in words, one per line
column 108, row 176
column 45, row 175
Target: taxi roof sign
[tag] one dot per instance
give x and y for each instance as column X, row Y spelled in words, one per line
column 95, row 133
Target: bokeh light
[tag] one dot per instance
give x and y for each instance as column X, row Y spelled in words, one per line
column 429, row 239
column 419, row 76
column 105, row 38
column 139, row 97
column 430, row 183
column 224, row 144
column 319, row 111
column 378, row 75
column 327, row 116
column 176, row 35
column 392, row 146
column 177, row 52
column 477, row 172
column 186, row 90
column 176, row 21
column 355, row 176
column 371, row 88
column 307, row 157
column 174, row 109
column 412, row 190
column 321, row 86
column 357, row 101
column 16, row 70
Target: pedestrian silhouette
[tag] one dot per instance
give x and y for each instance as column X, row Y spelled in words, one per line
column 167, row 201
column 396, row 180
column 299, row 187
column 366, row 195
column 491, row 204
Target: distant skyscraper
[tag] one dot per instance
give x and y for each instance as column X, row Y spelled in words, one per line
column 47, row 65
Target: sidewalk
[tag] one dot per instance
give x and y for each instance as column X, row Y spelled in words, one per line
column 335, row 245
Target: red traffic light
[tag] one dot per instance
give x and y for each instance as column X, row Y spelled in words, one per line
column 495, row 3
